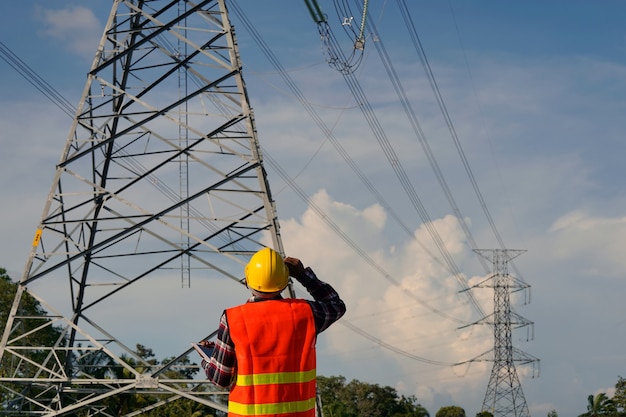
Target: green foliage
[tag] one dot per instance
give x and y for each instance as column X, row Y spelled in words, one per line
column 553, row 413
column 125, row 403
column 619, row 399
column 28, row 305
column 90, row 363
column 484, row 414
column 45, row 336
column 600, row 405
column 357, row 399
column 450, row 411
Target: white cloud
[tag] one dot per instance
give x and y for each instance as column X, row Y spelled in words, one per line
column 595, row 242
column 77, row 27
column 409, row 310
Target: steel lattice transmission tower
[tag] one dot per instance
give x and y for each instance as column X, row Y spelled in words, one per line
column 504, row 396
column 161, row 172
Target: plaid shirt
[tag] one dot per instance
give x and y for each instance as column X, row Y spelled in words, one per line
column 327, row 308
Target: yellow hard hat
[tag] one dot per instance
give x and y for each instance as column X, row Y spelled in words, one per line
column 266, row 271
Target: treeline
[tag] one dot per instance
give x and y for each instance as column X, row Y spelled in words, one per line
column 603, row 405
column 355, row 398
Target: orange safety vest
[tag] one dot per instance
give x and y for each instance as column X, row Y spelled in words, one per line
column 275, row 348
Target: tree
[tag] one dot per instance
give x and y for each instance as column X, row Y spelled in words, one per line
column 553, row 413
column 360, row 399
column 600, row 405
column 484, row 414
column 450, row 411
column 619, row 399
column 46, row 336
column 129, row 402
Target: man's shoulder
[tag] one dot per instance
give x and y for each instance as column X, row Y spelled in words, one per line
column 271, row 305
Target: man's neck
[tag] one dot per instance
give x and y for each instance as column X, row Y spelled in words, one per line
column 263, row 296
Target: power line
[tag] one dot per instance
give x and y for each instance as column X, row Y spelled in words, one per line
column 518, row 273
column 35, row 80
column 390, row 153
column 372, row 120
column 355, row 247
column 451, row 267
column 393, row 348
column 408, row 21
column 419, row 134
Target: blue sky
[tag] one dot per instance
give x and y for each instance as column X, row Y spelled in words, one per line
column 537, row 94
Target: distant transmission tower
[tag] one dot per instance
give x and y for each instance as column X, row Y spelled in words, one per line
column 504, row 396
column 161, row 174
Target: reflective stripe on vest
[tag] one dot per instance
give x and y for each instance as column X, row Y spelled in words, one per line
column 271, row 409
column 275, row 348
column 276, row 378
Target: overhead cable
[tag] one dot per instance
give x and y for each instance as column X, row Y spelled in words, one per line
column 372, row 120
column 408, row 21
column 35, row 80
column 328, row 133
column 351, row 243
column 419, row 134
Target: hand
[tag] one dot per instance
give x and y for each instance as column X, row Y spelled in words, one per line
column 207, row 344
column 296, row 269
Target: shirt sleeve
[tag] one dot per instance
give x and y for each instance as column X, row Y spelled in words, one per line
column 221, row 369
column 327, row 306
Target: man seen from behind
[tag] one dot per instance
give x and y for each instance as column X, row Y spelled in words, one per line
column 265, row 348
